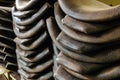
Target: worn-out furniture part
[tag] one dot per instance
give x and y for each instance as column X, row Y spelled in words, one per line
column 33, row 43
column 86, row 46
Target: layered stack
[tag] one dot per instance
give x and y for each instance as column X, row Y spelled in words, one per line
column 33, row 50
column 86, row 32
column 7, row 45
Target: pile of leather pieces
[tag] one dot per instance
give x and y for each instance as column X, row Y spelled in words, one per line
column 86, row 40
column 7, row 45
column 33, row 44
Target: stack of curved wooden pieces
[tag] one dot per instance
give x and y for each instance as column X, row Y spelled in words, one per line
column 88, row 40
column 7, row 45
column 34, row 51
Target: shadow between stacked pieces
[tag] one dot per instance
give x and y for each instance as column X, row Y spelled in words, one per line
column 87, row 40
column 7, row 45
column 34, row 49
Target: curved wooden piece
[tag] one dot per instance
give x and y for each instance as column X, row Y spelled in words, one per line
column 27, row 75
column 23, row 14
column 89, row 10
column 109, row 73
column 32, row 76
column 26, row 4
column 88, row 27
column 61, row 74
column 38, row 57
column 38, row 68
column 76, row 75
column 80, row 47
column 78, row 66
column 31, row 32
column 53, row 31
column 38, row 15
column 109, row 36
column 34, row 44
column 28, row 54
